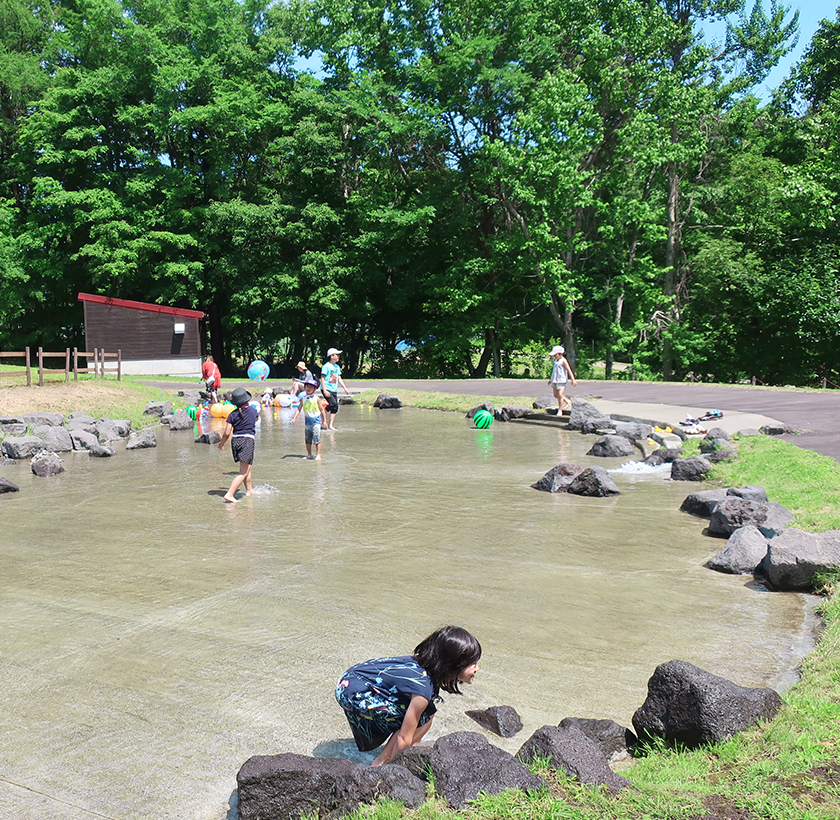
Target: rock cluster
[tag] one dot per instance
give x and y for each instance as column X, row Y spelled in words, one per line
column 685, row 705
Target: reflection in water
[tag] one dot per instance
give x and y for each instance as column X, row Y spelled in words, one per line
column 147, row 622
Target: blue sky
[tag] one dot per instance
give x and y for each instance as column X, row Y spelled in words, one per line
column 810, row 15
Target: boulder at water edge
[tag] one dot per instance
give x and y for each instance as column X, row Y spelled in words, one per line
column 752, row 492
column 794, row 557
column 594, row 482
column 733, row 512
column 512, row 411
column 179, row 421
column 503, row 721
column 386, row 401
column 158, row 408
column 743, row 552
column 712, row 445
column 597, row 425
column 664, row 455
column 46, row 464
column 614, row 740
column 693, row 468
column 612, row 447
column 210, row 437
column 53, row 439
column 22, row 446
column 142, row 441
column 633, row 430
column 12, row 429
column 582, row 410
column 106, row 431
column 702, row 502
column 558, row 478
column 488, row 406
column 717, row 434
column 83, row 440
column 286, row 786
column 686, row 704
column 569, row 749
column 722, row 455
column 465, row 764
column 7, row 486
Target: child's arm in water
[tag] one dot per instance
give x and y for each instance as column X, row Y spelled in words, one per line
column 410, row 732
column 296, row 413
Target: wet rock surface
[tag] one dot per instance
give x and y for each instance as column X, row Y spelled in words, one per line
column 387, row 401
column 614, row 740
column 7, row 486
column 142, row 441
column 733, row 512
column 46, row 464
column 558, row 478
column 595, row 482
column 611, row 446
column 693, row 468
column 503, row 721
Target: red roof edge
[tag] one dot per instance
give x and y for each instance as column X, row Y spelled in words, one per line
column 186, row 313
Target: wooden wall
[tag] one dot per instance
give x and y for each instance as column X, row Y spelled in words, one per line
column 140, row 334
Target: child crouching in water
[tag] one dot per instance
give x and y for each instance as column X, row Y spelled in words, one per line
column 396, row 696
column 313, row 416
column 241, row 428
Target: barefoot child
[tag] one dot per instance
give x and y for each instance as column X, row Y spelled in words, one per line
column 396, row 696
column 330, row 379
column 241, row 428
column 313, row 416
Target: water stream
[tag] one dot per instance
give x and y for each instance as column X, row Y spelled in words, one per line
column 154, row 637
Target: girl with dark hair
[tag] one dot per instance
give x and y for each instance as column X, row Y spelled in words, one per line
column 241, row 429
column 397, row 696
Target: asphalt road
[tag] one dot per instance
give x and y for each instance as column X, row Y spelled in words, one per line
column 813, row 412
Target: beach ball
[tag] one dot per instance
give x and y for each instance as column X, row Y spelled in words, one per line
column 284, row 400
column 482, row 419
column 258, row 371
column 192, row 412
column 227, row 409
column 216, row 410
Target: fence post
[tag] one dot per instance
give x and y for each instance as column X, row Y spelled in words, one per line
column 825, row 382
column 119, row 364
column 67, row 365
column 75, row 364
column 752, row 381
column 40, row 366
column 96, row 363
column 28, row 372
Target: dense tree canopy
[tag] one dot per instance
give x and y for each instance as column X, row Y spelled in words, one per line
column 470, row 182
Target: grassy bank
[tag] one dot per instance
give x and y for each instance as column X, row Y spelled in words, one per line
column 99, row 397
column 785, row 769
column 449, row 402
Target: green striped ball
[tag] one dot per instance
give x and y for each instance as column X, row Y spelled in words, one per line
column 483, row 419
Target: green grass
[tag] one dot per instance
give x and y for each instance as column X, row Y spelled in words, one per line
column 805, row 482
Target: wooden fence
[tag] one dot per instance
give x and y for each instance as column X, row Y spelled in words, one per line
column 99, row 358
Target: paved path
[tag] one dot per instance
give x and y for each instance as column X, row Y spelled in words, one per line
column 815, row 412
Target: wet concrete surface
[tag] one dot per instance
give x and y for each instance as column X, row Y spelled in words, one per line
column 154, row 637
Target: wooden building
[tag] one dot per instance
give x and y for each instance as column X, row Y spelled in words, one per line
column 153, row 339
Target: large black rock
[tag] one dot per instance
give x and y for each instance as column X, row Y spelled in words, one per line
column 633, row 430
column 488, row 406
column 594, row 482
column 142, row 440
column 687, row 705
column 285, row 786
column 387, row 401
column 664, row 455
column 794, row 557
column 743, row 552
column 55, row 439
column 733, row 512
column 569, row 749
column 558, row 478
column 465, row 764
column 693, row 468
column 7, row 486
column 597, row 425
column 45, row 464
column 51, row 419
column 22, row 446
column 582, row 410
column 702, row 502
column 512, row 411
column 612, row 447
column 158, row 408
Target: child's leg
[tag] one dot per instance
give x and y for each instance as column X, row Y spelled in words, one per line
column 249, row 489
column 318, row 451
column 244, row 469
